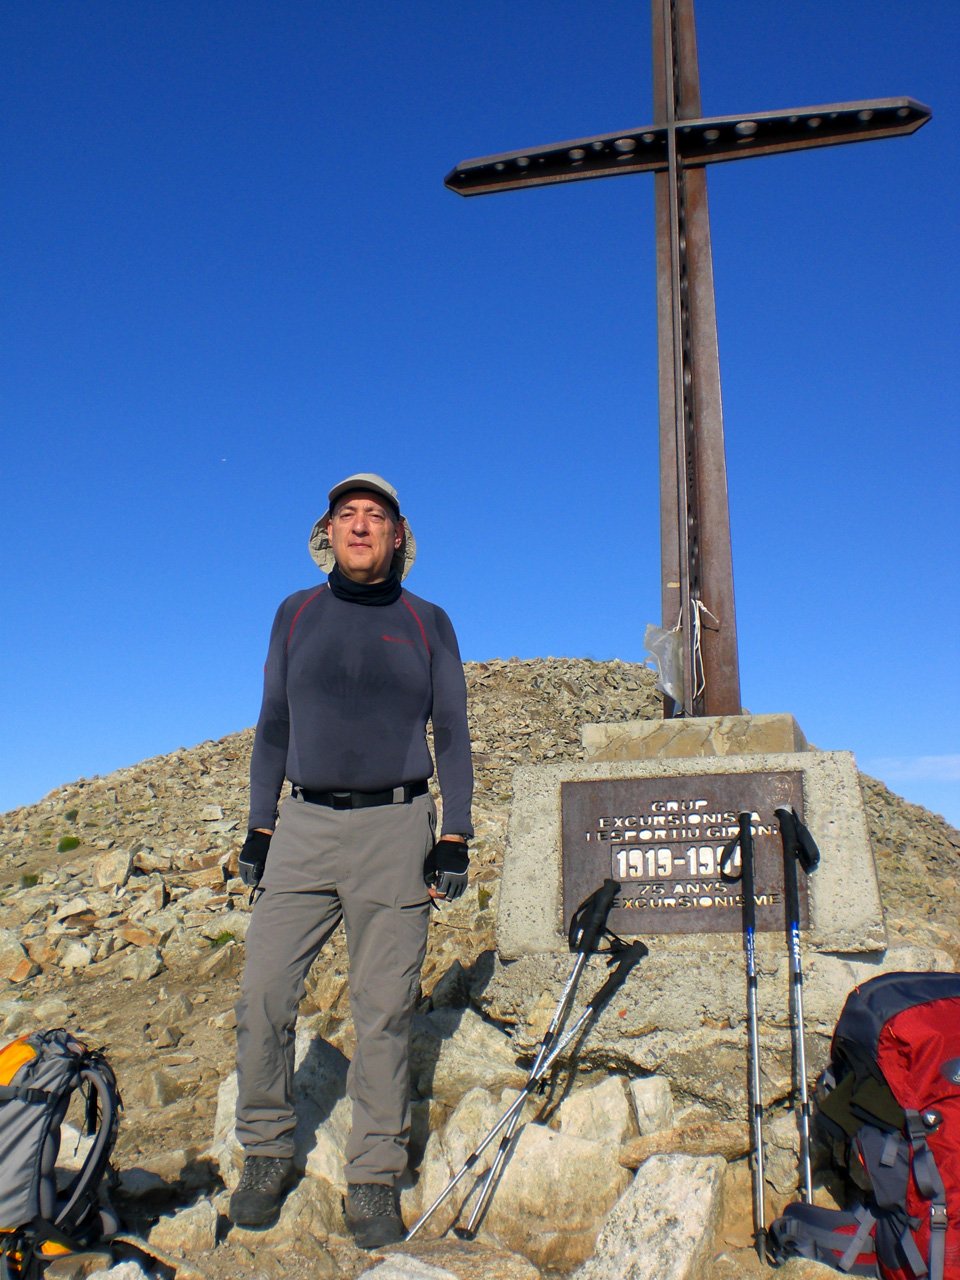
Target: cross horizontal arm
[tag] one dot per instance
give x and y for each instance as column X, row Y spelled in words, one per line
column 699, row 142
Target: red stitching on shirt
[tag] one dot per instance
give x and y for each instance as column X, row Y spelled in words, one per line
column 301, row 609
column 426, row 642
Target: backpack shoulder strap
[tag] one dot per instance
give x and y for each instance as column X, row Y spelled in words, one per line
column 930, row 1185
column 103, row 1100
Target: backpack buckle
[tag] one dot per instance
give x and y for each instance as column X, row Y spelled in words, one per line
column 938, row 1217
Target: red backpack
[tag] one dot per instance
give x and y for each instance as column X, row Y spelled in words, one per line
column 888, row 1108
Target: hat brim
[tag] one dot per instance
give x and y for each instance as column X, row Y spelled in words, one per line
column 322, row 552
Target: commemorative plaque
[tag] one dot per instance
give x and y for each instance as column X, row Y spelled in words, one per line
column 662, row 839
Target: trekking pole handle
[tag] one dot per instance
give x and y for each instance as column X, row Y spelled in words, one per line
column 627, row 959
column 746, row 856
column 590, row 918
column 788, row 835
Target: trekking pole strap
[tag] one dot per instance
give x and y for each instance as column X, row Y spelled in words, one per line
column 590, row 918
column 797, row 841
column 726, row 857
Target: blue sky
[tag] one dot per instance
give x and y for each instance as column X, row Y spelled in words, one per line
column 232, row 276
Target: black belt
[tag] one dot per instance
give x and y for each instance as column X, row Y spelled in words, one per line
column 362, row 799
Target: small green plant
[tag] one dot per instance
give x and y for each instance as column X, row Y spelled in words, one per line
column 222, row 939
column 29, row 879
column 71, row 815
column 483, row 898
column 66, row 843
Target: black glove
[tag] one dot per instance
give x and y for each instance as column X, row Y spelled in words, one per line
column 253, row 857
column 445, row 868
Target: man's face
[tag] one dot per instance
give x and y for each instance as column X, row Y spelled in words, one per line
column 364, row 536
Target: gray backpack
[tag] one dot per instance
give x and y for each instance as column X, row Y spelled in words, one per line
column 39, row 1075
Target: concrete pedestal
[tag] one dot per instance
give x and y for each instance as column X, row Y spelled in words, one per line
column 682, row 1012
column 845, row 911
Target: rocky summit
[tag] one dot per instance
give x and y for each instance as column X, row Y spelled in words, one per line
column 123, row 920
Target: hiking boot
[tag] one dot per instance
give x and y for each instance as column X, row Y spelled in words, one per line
column 372, row 1214
column 259, row 1194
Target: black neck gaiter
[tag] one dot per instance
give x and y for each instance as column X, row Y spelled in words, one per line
column 345, row 588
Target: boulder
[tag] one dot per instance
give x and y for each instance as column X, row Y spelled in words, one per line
column 322, row 1108
column 602, row 1113
column 192, row 1231
column 122, row 1271
column 446, row 1152
column 663, row 1227
column 473, row 1260
column 140, row 964
column 554, row 1194
column 408, row 1267
column 653, row 1103
column 112, row 870
column 310, row 1215
column 455, row 1050
column 698, row 1135
column 15, row 965
column 75, row 955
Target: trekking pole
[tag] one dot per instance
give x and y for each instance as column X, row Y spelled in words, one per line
column 587, row 925
column 744, row 839
column 625, row 961
column 798, row 846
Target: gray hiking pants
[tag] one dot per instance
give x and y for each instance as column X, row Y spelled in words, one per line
column 366, row 867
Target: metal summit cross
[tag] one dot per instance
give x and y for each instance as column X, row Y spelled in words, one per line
column 696, row 561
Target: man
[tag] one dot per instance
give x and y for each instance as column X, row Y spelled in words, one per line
column 354, row 671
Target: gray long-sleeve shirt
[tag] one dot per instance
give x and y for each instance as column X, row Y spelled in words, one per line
column 347, row 693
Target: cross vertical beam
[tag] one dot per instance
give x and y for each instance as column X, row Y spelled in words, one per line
column 695, row 550
column 696, row 559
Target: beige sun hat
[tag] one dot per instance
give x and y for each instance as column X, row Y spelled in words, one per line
column 320, row 548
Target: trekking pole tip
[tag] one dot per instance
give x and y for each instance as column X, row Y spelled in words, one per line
column 762, row 1245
